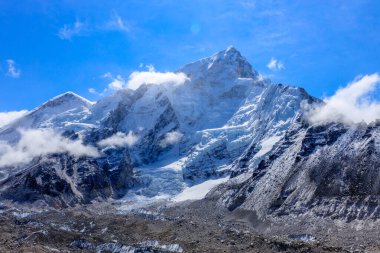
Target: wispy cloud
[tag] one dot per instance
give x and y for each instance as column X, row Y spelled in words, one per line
column 12, row 70
column 247, row 4
column 93, row 91
column 70, row 30
column 272, row 12
column 116, row 23
column 171, row 138
column 38, row 142
column 107, row 75
column 119, row 140
column 8, row 117
column 78, row 28
column 115, row 83
column 351, row 104
column 275, row 64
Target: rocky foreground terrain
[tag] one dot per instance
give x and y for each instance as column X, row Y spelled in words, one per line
column 191, row 227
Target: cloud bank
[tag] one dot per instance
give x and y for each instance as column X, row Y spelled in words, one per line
column 171, row 138
column 352, row 104
column 8, row 117
column 119, row 140
column 38, row 142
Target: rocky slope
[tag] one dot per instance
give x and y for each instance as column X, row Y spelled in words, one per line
column 328, row 170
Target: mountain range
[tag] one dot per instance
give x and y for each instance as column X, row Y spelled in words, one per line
column 220, row 120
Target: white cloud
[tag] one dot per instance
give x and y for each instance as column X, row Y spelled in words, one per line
column 117, row 83
column 351, row 104
column 275, row 64
column 8, row 117
column 12, row 70
column 68, row 31
column 171, row 138
column 150, row 68
column 119, row 140
column 137, row 78
column 107, row 75
column 117, row 24
column 93, row 91
column 38, row 142
column 247, row 4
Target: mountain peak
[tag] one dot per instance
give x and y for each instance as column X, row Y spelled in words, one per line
column 231, row 50
column 231, row 47
column 228, row 62
column 67, row 98
column 230, row 55
column 70, row 95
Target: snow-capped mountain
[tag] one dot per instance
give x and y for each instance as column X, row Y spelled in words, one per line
column 186, row 133
column 65, row 111
column 224, row 120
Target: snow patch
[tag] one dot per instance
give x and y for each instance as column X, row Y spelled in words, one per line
column 267, row 145
column 175, row 166
column 21, row 214
column 303, row 238
column 198, row 191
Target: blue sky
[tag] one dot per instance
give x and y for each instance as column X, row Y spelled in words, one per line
column 49, row 47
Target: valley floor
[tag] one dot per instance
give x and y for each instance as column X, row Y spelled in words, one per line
column 164, row 227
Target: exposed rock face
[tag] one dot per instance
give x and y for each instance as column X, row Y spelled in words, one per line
column 63, row 180
column 323, row 170
column 250, row 134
